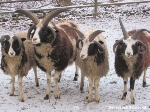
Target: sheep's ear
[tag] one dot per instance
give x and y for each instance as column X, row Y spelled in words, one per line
column 23, row 39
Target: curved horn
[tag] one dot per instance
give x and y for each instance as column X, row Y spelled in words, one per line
column 94, row 34
column 29, row 14
column 125, row 34
column 100, row 46
column 30, row 30
column 51, row 15
column 118, row 42
column 145, row 47
column 7, row 37
column 19, row 40
column 137, row 33
column 81, row 35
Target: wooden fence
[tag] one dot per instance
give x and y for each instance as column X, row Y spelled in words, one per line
column 95, row 5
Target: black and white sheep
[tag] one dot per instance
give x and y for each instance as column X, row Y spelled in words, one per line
column 92, row 59
column 55, row 45
column 132, row 57
column 17, row 59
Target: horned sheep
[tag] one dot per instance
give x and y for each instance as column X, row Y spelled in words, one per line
column 132, row 57
column 55, row 45
column 92, row 59
column 17, row 59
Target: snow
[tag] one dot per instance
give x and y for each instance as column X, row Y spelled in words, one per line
column 71, row 99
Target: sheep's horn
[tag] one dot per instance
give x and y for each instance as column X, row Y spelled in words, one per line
column 140, row 42
column 94, row 34
column 118, row 42
column 81, row 35
column 19, row 40
column 137, row 33
column 30, row 30
column 4, row 37
column 100, row 46
column 125, row 34
column 30, row 15
column 51, row 15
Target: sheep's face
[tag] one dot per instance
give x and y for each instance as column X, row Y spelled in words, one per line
column 42, row 34
column 129, row 47
column 11, row 46
column 88, row 48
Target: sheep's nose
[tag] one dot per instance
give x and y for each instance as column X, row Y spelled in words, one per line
column 11, row 53
column 128, row 53
column 82, row 56
column 34, row 39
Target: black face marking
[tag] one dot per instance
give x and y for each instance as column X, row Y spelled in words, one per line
column 123, row 47
column 93, row 48
column 15, row 46
column 45, row 35
column 135, row 48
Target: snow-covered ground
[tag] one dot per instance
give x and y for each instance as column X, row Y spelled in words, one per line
column 72, row 100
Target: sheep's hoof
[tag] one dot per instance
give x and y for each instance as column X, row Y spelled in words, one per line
column 37, row 85
column 144, row 84
column 133, row 101
column 46, row 97
column 123, row 97
column 81, row 89
column 89, row 100
column 75, row 79
column 58, row 97
column 22, row 100
column 11, row 94
column 97, row 101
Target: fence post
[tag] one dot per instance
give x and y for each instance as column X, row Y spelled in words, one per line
column 95, row 8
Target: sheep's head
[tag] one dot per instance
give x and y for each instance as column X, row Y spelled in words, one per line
column 11, row 44
column 43, row 32
column 129, row 45
column 88, row 45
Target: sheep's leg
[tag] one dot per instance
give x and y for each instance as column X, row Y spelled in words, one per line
column 96, row 85
column 12, row 84
column 76, row 73
column 144, row 79
column 36, row 78
column 90, row 89
column 132, row 81
column 82, row 83
column 20, row 88
column 56, row 93
column 48, row 86
column 125, row 88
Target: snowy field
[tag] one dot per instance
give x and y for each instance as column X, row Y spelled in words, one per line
column 71, row 99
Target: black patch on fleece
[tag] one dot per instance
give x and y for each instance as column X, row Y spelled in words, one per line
column 3, row 63
column 38, row 54
column 42, row 68
column 62, row 51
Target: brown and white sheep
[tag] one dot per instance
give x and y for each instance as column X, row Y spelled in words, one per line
column 132, row 57
column 54, row 45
